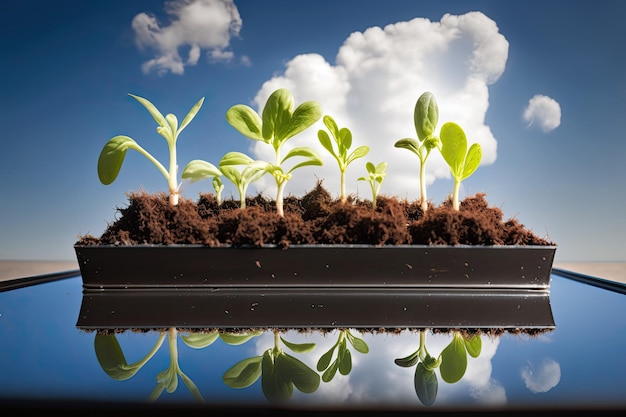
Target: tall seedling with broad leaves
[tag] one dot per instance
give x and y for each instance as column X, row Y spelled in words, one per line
column 278, row 123
column 425, row 117
column 343, row 139
column 113, row 154
column 462, row 162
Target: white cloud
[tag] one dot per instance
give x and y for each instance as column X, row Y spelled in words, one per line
column 543, row 378
column 372, row 89
column 195, row 24
column 544, row 111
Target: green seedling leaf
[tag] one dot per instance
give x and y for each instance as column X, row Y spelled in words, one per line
column 299, row 347
column 200, row 340
column 277, row 387
column 472, row 160
column 235, row 158
column 305, row 379
column 305, row 115
column 154, row 112
column 198, row 169
column 235, row 339
column 473, row 346
column 358, row 344
column 426, row 385
column 426, row 116
column 330, row 372
column 409, row 361
column 111, row 357
column 112, row 157
column 246, row 121
column 453, row 147
column 276, row 115
column 324, row 360
column 345, row 360
column 410, row 144
column 244, row 373
column 190, row 115
column 454, row 360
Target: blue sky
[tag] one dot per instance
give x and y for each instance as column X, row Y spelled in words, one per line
column 540, row 85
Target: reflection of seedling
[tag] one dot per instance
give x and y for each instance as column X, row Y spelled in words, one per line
column 343, row 139
column 252, row 171
column 113, row 154
column 112, row 360
column 279, row 372
column 343, row 360
column 425, row 117
column 452, row 364
column 278, row 123
column 375, row 176
column 462, row 162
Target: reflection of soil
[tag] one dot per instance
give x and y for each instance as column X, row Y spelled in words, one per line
column 315, row 218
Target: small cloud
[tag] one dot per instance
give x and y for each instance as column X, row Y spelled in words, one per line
column 544, row 111
column 543, row 378
column 196, row 24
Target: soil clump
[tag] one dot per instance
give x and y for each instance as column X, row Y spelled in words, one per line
column 316, row 218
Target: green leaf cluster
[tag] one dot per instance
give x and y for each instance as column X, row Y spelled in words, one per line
column 343, row 140
column 375, row 176
column 114, row 151
column 452, row 364
column 462, row 162
column 343, row 358
column 279, row 372
column 278, row 123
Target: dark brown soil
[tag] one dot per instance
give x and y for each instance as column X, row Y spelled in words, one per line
column 315, row 218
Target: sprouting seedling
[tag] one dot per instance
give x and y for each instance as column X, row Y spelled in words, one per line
column 462, row 162
column 343, row 139
column 343, row 359
column 279, row 371
column 113, row 362
column 278, row 123
column 425, row 117
column 114, row 151
column 252, row 171
column 375, row 176
column 452, row 364
column 218, row 186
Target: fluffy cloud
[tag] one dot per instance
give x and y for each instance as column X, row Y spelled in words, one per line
column 544, row 111
column 195, row 24
column 543, row 378
column 372, row 89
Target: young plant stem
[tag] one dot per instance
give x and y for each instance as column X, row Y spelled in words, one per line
column 343, row 188
column 172, row 178
column 455, row 195
column 424, row 201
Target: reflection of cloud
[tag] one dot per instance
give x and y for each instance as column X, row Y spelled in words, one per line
column 372, row 88
column 544, row 111
column 543, row 378
column 197, row 25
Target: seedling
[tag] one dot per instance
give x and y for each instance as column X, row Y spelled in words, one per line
column 462, row 162
column 425, row 117
column 278, row 123
column 113, row 154
column 343, row 139
column 343, row 359
column 452, row 364
column 375, row 177
column 252, row 171
column 279, row 371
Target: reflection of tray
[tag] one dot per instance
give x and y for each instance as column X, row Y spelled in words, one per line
column 315, row 308
column 322, row 266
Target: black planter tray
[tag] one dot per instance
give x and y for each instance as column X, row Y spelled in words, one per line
column 315, row 266
column 379, row 309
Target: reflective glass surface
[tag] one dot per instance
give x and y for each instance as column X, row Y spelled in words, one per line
column 578, row 363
